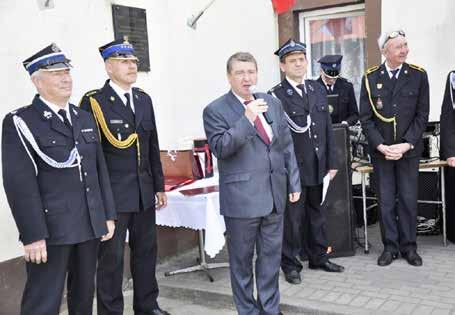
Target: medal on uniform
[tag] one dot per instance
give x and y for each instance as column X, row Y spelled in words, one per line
column 330, row 109
column 379, row 103
column 379, row 86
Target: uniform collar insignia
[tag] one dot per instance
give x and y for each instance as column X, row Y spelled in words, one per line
column 290, row 92
column 112, row 98
column 75, row 112
column 137, row 97
column 47, row 114
column 311, row 87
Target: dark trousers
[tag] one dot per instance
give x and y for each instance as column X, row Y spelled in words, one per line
column 142, row 242
column 305, row 230
column 45, row 282
column 397, row 184
column 243, row 235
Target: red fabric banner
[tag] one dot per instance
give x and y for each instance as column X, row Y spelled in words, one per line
column 282, row 6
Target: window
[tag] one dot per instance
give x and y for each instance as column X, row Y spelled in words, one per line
column 338, row 31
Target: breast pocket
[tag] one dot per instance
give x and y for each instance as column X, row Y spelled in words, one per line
column 90, row 137
column 412, row 93
column 299, row 116
column 54, row 147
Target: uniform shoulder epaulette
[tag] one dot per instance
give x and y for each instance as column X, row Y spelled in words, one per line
column 18, row 110
column 91, row 93
column 416, row 67
column 139, row 90
column 275, row 87
column 372, row 69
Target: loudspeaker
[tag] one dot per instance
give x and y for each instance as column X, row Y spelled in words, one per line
column 340, row 212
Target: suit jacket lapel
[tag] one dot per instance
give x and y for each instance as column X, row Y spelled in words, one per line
column 47, row 114
column 138, row 108
column 117, row 104
column 403, row 78
column 75, row 121
column 293, row 94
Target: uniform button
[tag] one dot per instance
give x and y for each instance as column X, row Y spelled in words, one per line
column 314, row 124
column 76, row 142
column 53, row 141
column 126, row 125
column 45, row 210
column 315, row 136
column 317, row 149
column 394, row 105
column 88, row 189
column 82, row 157
column 85, row 173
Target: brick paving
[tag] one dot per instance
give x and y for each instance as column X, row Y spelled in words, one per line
column 364, row 287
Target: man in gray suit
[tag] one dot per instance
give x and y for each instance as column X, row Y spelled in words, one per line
column 249, row 136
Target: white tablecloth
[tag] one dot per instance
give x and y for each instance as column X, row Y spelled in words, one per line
column 196, row 212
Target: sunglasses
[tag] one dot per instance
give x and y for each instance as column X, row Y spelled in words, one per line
column 395, row 34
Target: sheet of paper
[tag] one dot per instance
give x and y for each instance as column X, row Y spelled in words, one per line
column 325, row 187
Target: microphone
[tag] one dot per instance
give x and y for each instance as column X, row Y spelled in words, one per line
column 254, row 90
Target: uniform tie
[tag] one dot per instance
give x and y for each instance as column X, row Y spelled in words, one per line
column 394, row 74
column 128, row 103
column 304, row 96
column 259, row 127
column 62, row 113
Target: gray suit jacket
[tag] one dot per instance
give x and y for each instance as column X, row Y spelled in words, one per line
column 254, row 176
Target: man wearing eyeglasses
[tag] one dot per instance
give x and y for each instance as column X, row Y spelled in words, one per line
column 126, row 122
column 340, row 92
column 394, row 106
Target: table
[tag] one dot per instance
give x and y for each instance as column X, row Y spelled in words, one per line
column 200, row 212
column 364, row 169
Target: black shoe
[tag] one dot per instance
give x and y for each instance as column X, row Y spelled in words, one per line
column 293, row 277
column 386, row 258
column 327, row 266
column 159, row 311
column 413, row 258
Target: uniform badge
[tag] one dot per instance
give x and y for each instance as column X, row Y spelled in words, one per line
column 379, row 86
column 330, row 109
column 112, row 98
column 310, row 87
column 87, row 130
column 116, row 121
column 74, row 112
column 382, row 71
column 290, row 92
column 379, row 103
column 47, row 114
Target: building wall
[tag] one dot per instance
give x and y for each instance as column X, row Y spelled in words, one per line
column 429, row 30
column 187, row 66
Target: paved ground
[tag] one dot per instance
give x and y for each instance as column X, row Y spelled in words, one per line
column 364, row 288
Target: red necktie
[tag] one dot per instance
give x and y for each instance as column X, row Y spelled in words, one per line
column 259, row 127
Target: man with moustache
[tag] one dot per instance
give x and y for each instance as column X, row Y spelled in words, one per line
column 343, row 108
column 258, row 172
column 308, row 117
column 394, row 106
column 126, row 122
column 57, row 185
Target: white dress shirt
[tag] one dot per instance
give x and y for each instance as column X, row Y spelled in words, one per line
column 121, row 93
column 389, row 70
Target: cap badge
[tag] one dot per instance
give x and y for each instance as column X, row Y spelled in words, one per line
column 334, row 65
column 55, row 48
column 292, row 43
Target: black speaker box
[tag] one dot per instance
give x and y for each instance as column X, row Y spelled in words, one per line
column 340, row 212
